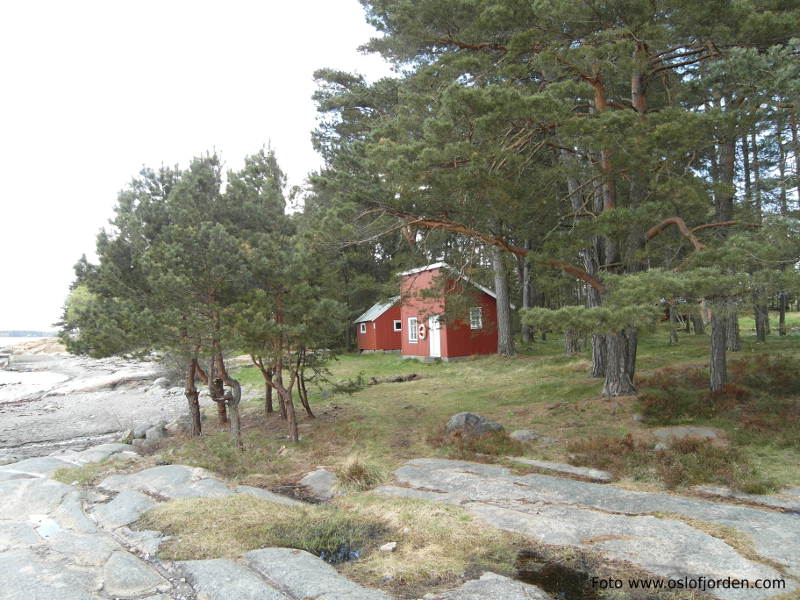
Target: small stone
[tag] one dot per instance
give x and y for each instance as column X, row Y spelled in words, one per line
column 320, row 482
column 661, row 447
column 525, row 435
column 637, row 418
column 547, row 440
column 388, row 547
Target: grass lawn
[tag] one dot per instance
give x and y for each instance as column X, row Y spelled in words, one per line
column 540, row 389
column 364, row 436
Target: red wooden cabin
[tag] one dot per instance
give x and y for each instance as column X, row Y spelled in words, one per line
column 425, row 336
column 379, row 328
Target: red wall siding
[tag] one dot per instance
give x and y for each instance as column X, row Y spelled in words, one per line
column 460, row 340
column 413, row 305
column 457, row 339
column 379, row 334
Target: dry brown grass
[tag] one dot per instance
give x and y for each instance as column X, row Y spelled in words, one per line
column 437, row 545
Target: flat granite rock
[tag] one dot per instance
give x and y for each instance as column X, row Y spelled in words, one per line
column 682, row 432
column 26, row 577
column 23, row 497
column 775, row 535
column 126, row 576
column 168, row 481
column 585, row 472
column 41, row 466
column 82, row 549
column 664, row 547
column 101, row 453
column 70, row 515
column 126, row 508
column 770, row 501
column 492, row 587
column 17, row 536
column 303, row 575
column 219, row 579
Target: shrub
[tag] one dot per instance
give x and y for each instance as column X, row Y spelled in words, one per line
column 358, row 475
column 470, row 446
column 687, row 462
column 780, row 375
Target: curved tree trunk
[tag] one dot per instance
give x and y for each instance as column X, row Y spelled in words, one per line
column 192, row 395
column 505, row 338
column 216, row 390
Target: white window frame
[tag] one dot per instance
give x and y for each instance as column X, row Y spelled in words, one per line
column 397, row 325
column 413, row 332
column 363, row 328
column 476, row 317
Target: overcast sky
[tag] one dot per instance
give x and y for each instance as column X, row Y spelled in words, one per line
column 92, row 91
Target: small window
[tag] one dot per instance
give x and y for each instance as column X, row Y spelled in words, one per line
column 398, row 325
column 476, row 318
column 363, row 328
column 412, row 330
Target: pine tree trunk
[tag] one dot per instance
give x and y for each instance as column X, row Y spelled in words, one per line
column 598, row 355
column 748, row 186
column 796, row 148
column 268, row 395
column 782, row 313
column 760, row 311
column 216, row 390
column 632, row 346
column 571, row 342
column 278, row 380
column 192, row 395
column 698, row 324
column 618, row 381
column 733, row 342
column 673, row 325
column 286, row 399
column 233, row 399
column 717, row 368
column 303, row 393
column 527, row 292
column 505, row 338
column 756, row 166
column 783, row 180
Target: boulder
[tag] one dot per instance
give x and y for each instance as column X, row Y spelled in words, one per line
column 161, row 382
column 140, row 430
column 472, row 423
column 155, row 433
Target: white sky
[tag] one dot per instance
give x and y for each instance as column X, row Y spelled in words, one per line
column 90, row 91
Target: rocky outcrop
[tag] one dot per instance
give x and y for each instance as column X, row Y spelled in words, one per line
column 618, row 524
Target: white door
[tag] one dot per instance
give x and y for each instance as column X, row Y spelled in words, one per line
column 434, row 338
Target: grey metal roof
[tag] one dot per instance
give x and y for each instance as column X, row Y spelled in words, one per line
column 377, row 310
